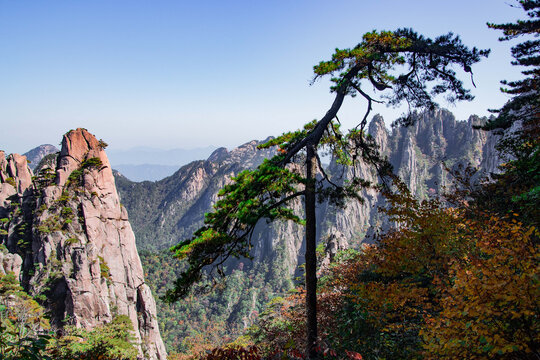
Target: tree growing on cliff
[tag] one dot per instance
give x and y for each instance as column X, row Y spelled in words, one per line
column 401, row 65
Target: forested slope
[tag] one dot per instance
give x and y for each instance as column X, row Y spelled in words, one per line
column 164, row 212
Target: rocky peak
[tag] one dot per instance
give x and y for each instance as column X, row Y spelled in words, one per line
column 246, row 154
column 377, row 129
column 219, row 155
column 79, row 146
column 81, row 254
column 15, row 172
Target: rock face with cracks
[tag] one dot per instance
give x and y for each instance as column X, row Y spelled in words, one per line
column 169, row 210
column 80, row 250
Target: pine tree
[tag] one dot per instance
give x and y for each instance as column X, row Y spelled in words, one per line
column 517, row 188
column 267, row 192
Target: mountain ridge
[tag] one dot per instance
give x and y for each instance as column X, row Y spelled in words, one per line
column 168, row 211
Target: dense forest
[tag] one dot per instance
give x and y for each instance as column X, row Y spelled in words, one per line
column 452, row 274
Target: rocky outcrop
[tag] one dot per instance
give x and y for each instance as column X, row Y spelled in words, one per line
column 81, row 252
column 14, row 171
column 335, row 243
column 10, row 263
column 17, row 201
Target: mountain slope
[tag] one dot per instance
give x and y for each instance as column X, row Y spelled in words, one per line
column 168, row 211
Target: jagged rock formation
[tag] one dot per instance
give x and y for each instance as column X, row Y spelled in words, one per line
column 174, row 207
column 35, row 155
column 77, row 244
column 10, row 263
column 417, row 154
column 167, row 211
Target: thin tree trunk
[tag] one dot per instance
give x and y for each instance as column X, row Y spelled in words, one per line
column 311, row 257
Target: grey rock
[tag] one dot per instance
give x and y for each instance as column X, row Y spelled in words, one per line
column 10, row 263
column 35, row 155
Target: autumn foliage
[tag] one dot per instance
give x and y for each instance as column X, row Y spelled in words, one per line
column 491, row 309
column 439, row 285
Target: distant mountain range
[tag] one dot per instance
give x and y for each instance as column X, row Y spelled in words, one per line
column 139, row 163
column 153, row 156
column 146, row 172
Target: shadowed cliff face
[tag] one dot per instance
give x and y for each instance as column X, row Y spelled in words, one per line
column 169, row 210
column 78, row 247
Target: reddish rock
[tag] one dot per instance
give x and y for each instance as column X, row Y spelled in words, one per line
column 83, row 247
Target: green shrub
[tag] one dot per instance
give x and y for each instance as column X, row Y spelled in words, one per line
column 11, row 181
column 44, row 229
column 104, row 268
column 66, row 212
column 65, row 195
column 72, row 241
column 114, row 340
column 75, row 175
column 94, row 162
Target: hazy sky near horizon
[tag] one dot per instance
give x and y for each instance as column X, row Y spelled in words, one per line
column 178, row 74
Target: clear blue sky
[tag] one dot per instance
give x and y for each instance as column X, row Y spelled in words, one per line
column 178, row 74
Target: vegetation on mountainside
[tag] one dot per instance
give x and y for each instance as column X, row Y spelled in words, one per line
column 266, row 193
column 441, row 285
column 458, row 282
column 196, row 324
column 111, row 341
column 25, row 332
column 23, row 324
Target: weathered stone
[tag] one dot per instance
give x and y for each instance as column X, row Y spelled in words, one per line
column 17, row 169
column 10, row 263
column 82, row 236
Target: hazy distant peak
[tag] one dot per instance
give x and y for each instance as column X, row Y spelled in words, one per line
column 36, row 154
column 154, row 156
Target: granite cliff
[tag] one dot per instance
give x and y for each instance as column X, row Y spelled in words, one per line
column 75, row 244
column 167, row 211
